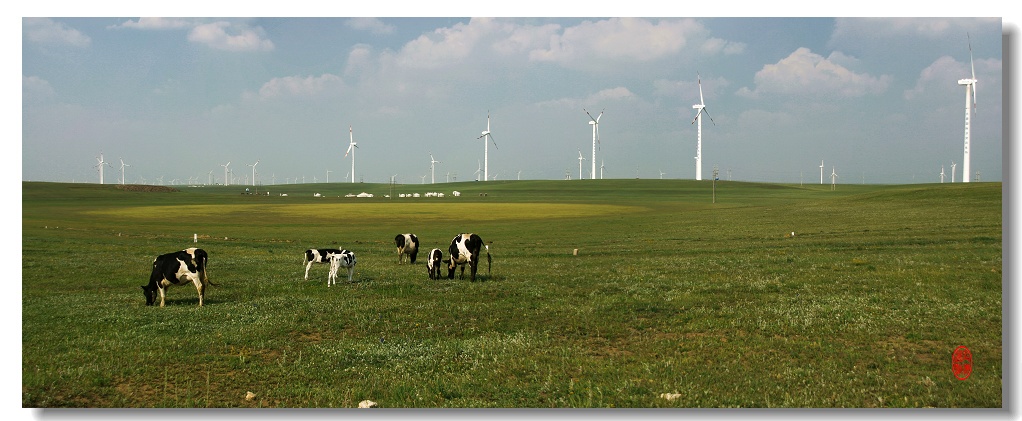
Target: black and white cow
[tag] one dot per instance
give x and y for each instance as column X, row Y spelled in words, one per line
column 317, row 256
column 406, row 244
column 465, row 249
column 433, row 260
column 177, row 268
column 344, row 259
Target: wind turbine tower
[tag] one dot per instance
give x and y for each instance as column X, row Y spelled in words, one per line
column 833, row 177
column 970, row 100
column 821, row 171
column 351, row 149
column 595, row 122
column 227, row 179
column 941, row 174
column 100, row 166
column 698, row 120
column 122, row 170
column 432, row 163
column 487, row 138
column 580, row 159
column 953, row 165
column 253, row 171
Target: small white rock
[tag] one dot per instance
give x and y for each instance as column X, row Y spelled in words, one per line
column 249, row 396
column 670, row 396
column 367, row 404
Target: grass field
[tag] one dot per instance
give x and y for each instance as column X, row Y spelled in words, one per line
column 670, row 293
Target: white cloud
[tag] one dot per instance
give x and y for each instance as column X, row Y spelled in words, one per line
column 806, row 73
column 881, row 28
column 373, row 25
column 46, row 31
column 302, row 87
column 156, row 24
column 617, row 39
column 223, row 35
column 717, row 45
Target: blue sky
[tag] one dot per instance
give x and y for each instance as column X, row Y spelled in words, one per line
column 876, row 99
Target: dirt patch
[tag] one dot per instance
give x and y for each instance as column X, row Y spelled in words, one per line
column 145, row 188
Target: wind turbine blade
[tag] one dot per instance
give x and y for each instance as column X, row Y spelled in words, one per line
column 590, row 115
column 708, row 115
column 598, row 117
column 697, row 116
column 699, row 81
column 598, row 136
column 973, row 66
column 491, row 140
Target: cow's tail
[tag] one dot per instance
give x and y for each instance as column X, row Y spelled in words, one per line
column 489, row 260
column 203, row 263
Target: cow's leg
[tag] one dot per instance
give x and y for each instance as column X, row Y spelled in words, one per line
column 351, row 271
column 307, row 267
column 200, row 287
column 475, row 264
column 162, row 295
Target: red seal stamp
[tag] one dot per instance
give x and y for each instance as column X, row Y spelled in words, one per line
column 961, row 363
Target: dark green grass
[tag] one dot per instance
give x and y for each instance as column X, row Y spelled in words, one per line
column 714, row 301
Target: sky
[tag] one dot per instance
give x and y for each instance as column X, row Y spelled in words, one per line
column 877, row 100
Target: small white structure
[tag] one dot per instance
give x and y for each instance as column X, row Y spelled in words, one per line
column 283, row 195
column 317, row 195
column 364, row 194
column 415, row 195
column 456, row 193
column 349, row 195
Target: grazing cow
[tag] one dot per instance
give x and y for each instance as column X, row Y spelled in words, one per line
column 177, row 268
column 406, row 244
column 344, row 259
column 317, row 256
column 464, row 249
column 433, row 260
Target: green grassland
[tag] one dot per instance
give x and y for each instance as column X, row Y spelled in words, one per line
column 669, row 293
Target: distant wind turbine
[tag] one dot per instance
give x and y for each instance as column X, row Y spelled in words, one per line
column 833, row 177
column 601, row 169
column 227, row 179
column 351, row 149
column 595, row 122
column 478, row 169
column 942, row 174
column 100, row 166
column 953, row 164
column 253, row 171
column 486, row 147
column 432, row 163
column 580, row 159
column 821, row 171
column 699, row 128
column 970, row 100
column 661, row 174
column 328, row 175
column 122, row 169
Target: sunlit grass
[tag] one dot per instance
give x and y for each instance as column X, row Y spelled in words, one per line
column 668, row 294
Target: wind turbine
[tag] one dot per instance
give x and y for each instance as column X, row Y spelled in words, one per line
column 953, row 164
column 122, row 169
column 253, row 171
column 432, row 163
column 821, row 171
column 595, row 122
column 227, row 179
column 970, row 99
column 351, row 149
column 486, row 148
column 661, row 174
column 100, row 166
column 580, row 159
column 942, row 174
column 478, row 169
column 601, row 169
column 833, row 177
column 699, row 128
column 209, row 177
column 328, row 176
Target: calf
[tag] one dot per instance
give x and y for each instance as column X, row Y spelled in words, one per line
column 177, row 268
column 464, row 249
column 433, row 260
column 406, row 244
column 317, row 256
column 344, row 259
